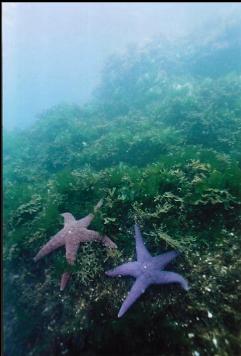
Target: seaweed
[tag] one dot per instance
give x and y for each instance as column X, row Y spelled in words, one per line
column 161, row 145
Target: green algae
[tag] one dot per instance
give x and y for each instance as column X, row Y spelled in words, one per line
column 163, row 150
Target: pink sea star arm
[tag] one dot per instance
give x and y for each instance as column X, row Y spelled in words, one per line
column 91, row 235
column 85, row 222
column 137, row 289
column 68, row 218
column 72, row 246
column 106, row 241
column 98, row 205
column 126, row 269
column 64, row 280
column 56, row 242
column 170, row 277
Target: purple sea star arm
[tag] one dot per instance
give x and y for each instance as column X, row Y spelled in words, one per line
column 126, row 269
column 169, row 277
column 68, row 218
column 162, row 260
column 137, row 289
column 141, row 250
column 56, row 242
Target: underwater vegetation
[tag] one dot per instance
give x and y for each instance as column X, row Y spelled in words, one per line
column 161, row 144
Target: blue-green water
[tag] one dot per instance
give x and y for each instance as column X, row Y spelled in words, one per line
column 160, row 142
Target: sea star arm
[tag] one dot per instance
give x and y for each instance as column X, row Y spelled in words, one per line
column 137, row 289
column 72, row 246
column 56, row 242
column 68, row 218
column 126, row 269
column 91, row 235
column 85, row 222
column 106, row 241
column 162, row 260
column 98, row 205
column 141, row 250
column 64, row 280
column 170, row 277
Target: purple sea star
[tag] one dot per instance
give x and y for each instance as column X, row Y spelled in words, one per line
column 147, row 270
column 73, row 233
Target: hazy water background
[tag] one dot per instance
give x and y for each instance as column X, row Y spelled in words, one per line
column 54, row 53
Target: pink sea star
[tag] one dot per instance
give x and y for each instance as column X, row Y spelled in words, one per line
column 73, row 233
